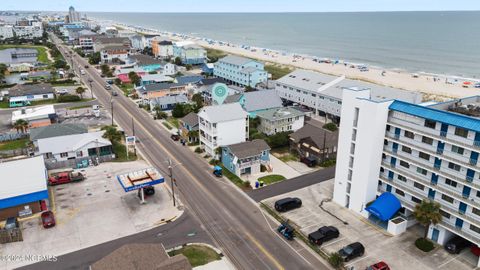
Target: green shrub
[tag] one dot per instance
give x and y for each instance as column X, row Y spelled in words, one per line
column 68, row 98
column 207, row 156
column 330, row 126
column 335, row 260
column 214, row 161
column 198, row 150
column 247, row 184
column 263, row 168
column 424, row 244
column 167, row 125
column 328, row 163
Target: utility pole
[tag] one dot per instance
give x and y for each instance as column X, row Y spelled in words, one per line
column 170, row 170
column 133, row 133
column 111, row 108
column 91, row 89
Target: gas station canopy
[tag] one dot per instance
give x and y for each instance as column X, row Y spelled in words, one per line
column 140, row 179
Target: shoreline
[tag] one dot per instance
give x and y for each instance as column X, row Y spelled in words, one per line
column 434, row 86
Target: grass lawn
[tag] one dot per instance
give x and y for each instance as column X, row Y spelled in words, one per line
column 173, row 121
column 120, row 151
column 197, row 255
column 283, row 153
column 42, row 51
column 277, row 71
column 270, row 179
column 215, row 54
column 232, row 177
column 12, row 145
column 126, row 88
column 167, row 125
column 79, row 107
column 4, row 104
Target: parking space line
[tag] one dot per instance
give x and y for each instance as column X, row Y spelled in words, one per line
column 449, row 261
column 318, row 224
column 333, row 242
column 360, row 259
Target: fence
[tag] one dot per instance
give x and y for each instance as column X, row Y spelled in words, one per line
column 14, row 153
column 12, row 136
column 73, row 163
column 11, row 235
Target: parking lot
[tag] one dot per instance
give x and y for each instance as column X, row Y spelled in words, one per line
column 398, row 252
column 91, row 212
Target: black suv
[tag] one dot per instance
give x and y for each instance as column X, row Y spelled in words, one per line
column 286, row 204
column 456, row 244
column 351, row 251
column 322, row 235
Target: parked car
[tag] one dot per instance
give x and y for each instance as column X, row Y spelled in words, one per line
column 82, row 72
column 65, row 177
column 309, row 161
column 378, row 266
column 114, row 93
column 109, row 81
column 11, row 223
column 287, row 204
column 286, row 230
column 217, row 171
column 48, row 219
column 477, row 85
column 108, row 86
column 147, row 191
column 352, row 251
column 86, row 66
column 322, row 235
column 456, row 244
column 61, row 91
column 175, row 137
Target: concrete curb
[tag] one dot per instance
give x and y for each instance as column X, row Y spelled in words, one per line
column 172, row 219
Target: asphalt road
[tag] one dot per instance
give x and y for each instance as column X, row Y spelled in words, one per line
column 232, row 220
column 185, row 229
column 292, row 184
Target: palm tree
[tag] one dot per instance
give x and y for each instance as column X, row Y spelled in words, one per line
column 21, row 124
column 80, row 90
column 112, row 134
column 427, row 213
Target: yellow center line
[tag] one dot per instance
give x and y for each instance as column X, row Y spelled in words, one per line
column 259, row 246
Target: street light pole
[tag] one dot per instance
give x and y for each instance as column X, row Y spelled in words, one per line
column 91, row 89
column 111, row 108
column 170, row 170
column 133, row 134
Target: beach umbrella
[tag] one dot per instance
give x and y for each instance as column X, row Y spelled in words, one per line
column 467, row 83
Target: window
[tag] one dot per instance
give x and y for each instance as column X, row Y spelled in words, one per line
column 421, row 171
column 450, row 182
column 65, row 154
column 407, row 149
column 474, row 228
column 402, row 178
column 424, row 155
column 404, row 164
column 444, row 214
column 388, row 127
column 478, row 193
column 427, row 140
column 409, row 134
column 476, row 211
column 447, row 198
column 399, row 192
column 79, row 154
column 416, row 200
column 430, row 123
column 418, row 185
column 461, row 132
column 457, row 149
column 454, row 166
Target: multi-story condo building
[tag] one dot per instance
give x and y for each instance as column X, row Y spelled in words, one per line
column 240, row 71
column 6, row 31
column 162, row 48
column 415, row 152
column 73, row 16
column 28, row 32
column 277, row 120
column 222, row 125
column 114, row 54
column 86, row 42
column 323, row 93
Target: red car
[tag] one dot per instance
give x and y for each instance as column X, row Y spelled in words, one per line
column 48, row 220
column 379, row 266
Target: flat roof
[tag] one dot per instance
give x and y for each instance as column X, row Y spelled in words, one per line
column 140, row 179
column 223, row 113
column 21, row 186
column 33, row 113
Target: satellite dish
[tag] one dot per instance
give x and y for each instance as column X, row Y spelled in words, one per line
column 219, row 93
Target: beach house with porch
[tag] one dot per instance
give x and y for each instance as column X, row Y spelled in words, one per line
column 246, row 157
column 240, row 71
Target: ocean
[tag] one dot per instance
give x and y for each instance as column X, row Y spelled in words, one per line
column 446, row 43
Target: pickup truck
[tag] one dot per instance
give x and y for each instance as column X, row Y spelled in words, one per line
column 65, row 177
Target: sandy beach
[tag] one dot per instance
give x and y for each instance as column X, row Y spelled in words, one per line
column 433, row 86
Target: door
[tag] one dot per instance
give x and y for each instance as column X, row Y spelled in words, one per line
column 397, row 133
column 431, row 194
column 434, row 179
column 443, row 130
column 440, row 147
column 466, row 191
column 462, row 208
column 393, row 161
column 470, row 175
column 459, row 223
column 435, row 234
column 473, row 158
column 395, row 147
column 438, row 163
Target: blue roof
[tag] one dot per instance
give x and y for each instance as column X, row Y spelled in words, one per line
column 23, row 199
column 449, row 118
column 385, row 206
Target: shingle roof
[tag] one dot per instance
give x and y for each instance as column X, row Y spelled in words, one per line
column 261, row 100
column 112, row 40
column 189, row 79
column 279, row 113
column 70, row 143
column 235, row 60
column 165, row 42
column 57, row 130
column 211, row 81
column 30, row 89
column 223, row 113
column 318, row 135
column 145, row 59
column 233, row 98
column 158, row 87
column 249, row 148
column 141, row 257
column 167, row 100
column 190, row 119
column 116, row 48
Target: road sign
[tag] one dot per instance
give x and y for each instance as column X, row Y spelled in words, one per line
column 130, row 140
column 219, row 93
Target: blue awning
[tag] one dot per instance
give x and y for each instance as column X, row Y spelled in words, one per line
column 385, row 206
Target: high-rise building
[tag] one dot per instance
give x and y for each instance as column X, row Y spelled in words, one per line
column 412, row 152
column 73, row 16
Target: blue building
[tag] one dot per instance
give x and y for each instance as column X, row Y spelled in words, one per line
column 189, row 53
column 189, row 124
column 256, row 101
column 24, row 192
column 246, row 157
column 207, row 68
column 167, row 103
column 241, row 71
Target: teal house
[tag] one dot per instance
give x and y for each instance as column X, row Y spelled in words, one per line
column 246, row 158
column 241, row 71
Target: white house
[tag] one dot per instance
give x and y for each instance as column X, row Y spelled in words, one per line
column 74, row 146
column 36, row 116
column 113, row 54
column 280, row 120
column 222, row 125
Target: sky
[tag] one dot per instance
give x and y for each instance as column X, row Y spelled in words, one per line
column 239, row 5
